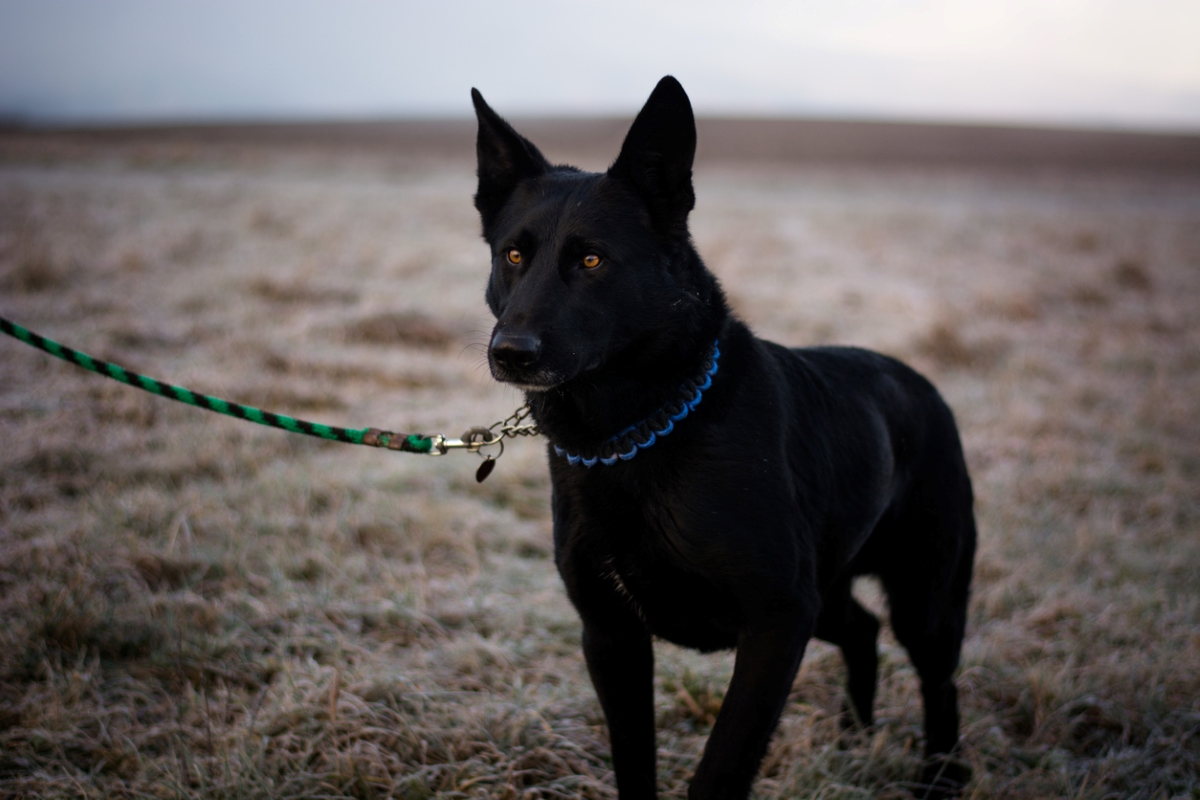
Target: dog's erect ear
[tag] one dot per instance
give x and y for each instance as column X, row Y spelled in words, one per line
column 505, row 158
column 656, row 158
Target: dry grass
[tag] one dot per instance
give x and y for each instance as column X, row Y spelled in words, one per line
column 196, row 608
column 409, row 328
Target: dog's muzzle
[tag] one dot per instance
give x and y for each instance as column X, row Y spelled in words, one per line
column 514, row 357
column 515, row 351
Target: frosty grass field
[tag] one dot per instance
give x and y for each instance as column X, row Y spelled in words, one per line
column 194, row 607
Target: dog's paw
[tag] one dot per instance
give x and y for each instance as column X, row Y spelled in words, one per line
column 942, row 778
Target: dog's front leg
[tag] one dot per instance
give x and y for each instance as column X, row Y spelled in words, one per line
column 768, row 656
column 621, row 664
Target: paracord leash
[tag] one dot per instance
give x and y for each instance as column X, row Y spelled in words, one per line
column 435, row 445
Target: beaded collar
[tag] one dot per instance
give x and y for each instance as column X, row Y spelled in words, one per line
column 626, row 444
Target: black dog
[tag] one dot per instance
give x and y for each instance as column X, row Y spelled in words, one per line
column 711, row 488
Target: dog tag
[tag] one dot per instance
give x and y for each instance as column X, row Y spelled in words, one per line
column 485, row 469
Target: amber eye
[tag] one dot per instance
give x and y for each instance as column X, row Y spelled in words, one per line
column 514, row 256
column 591, row 261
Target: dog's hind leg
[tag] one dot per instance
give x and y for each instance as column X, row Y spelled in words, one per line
column 845, row 623
column 933, row 645
column 929, row 613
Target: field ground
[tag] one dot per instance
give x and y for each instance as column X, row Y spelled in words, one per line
column 194, row 607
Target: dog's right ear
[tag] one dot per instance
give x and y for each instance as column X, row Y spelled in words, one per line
column 505, row 159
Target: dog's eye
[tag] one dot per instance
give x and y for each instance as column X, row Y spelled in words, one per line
column 514, row 255
column 591, row 261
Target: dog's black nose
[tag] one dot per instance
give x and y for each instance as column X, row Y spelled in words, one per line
column 515, row 350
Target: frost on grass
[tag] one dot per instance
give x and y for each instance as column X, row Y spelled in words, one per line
column 194, row 607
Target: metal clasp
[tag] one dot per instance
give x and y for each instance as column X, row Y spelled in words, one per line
column 472, row 440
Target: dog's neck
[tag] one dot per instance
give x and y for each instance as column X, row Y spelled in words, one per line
column 639, row 380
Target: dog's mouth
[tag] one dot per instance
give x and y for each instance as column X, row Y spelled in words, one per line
column 541, row 380
column 535, row 362
column 531, row 387
column 533, row 373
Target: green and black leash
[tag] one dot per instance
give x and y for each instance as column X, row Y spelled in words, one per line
column 436, row 444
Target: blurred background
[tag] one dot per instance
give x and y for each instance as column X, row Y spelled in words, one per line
column 271, row 202
column 1108, row 63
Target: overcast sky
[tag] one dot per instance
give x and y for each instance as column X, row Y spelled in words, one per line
column 1059, row 62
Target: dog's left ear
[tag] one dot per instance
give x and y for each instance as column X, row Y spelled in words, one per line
column 656, row 158
column 505, row 159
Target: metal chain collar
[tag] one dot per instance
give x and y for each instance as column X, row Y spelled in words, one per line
column 474, row 439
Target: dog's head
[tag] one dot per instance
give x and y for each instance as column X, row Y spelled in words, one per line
column 586, row 265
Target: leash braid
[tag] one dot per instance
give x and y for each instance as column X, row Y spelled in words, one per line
column 372, row 437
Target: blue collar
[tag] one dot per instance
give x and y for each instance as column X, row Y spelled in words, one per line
column 626, row 444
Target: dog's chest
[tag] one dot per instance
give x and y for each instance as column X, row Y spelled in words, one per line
column 652, row 552
column 675, row 603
